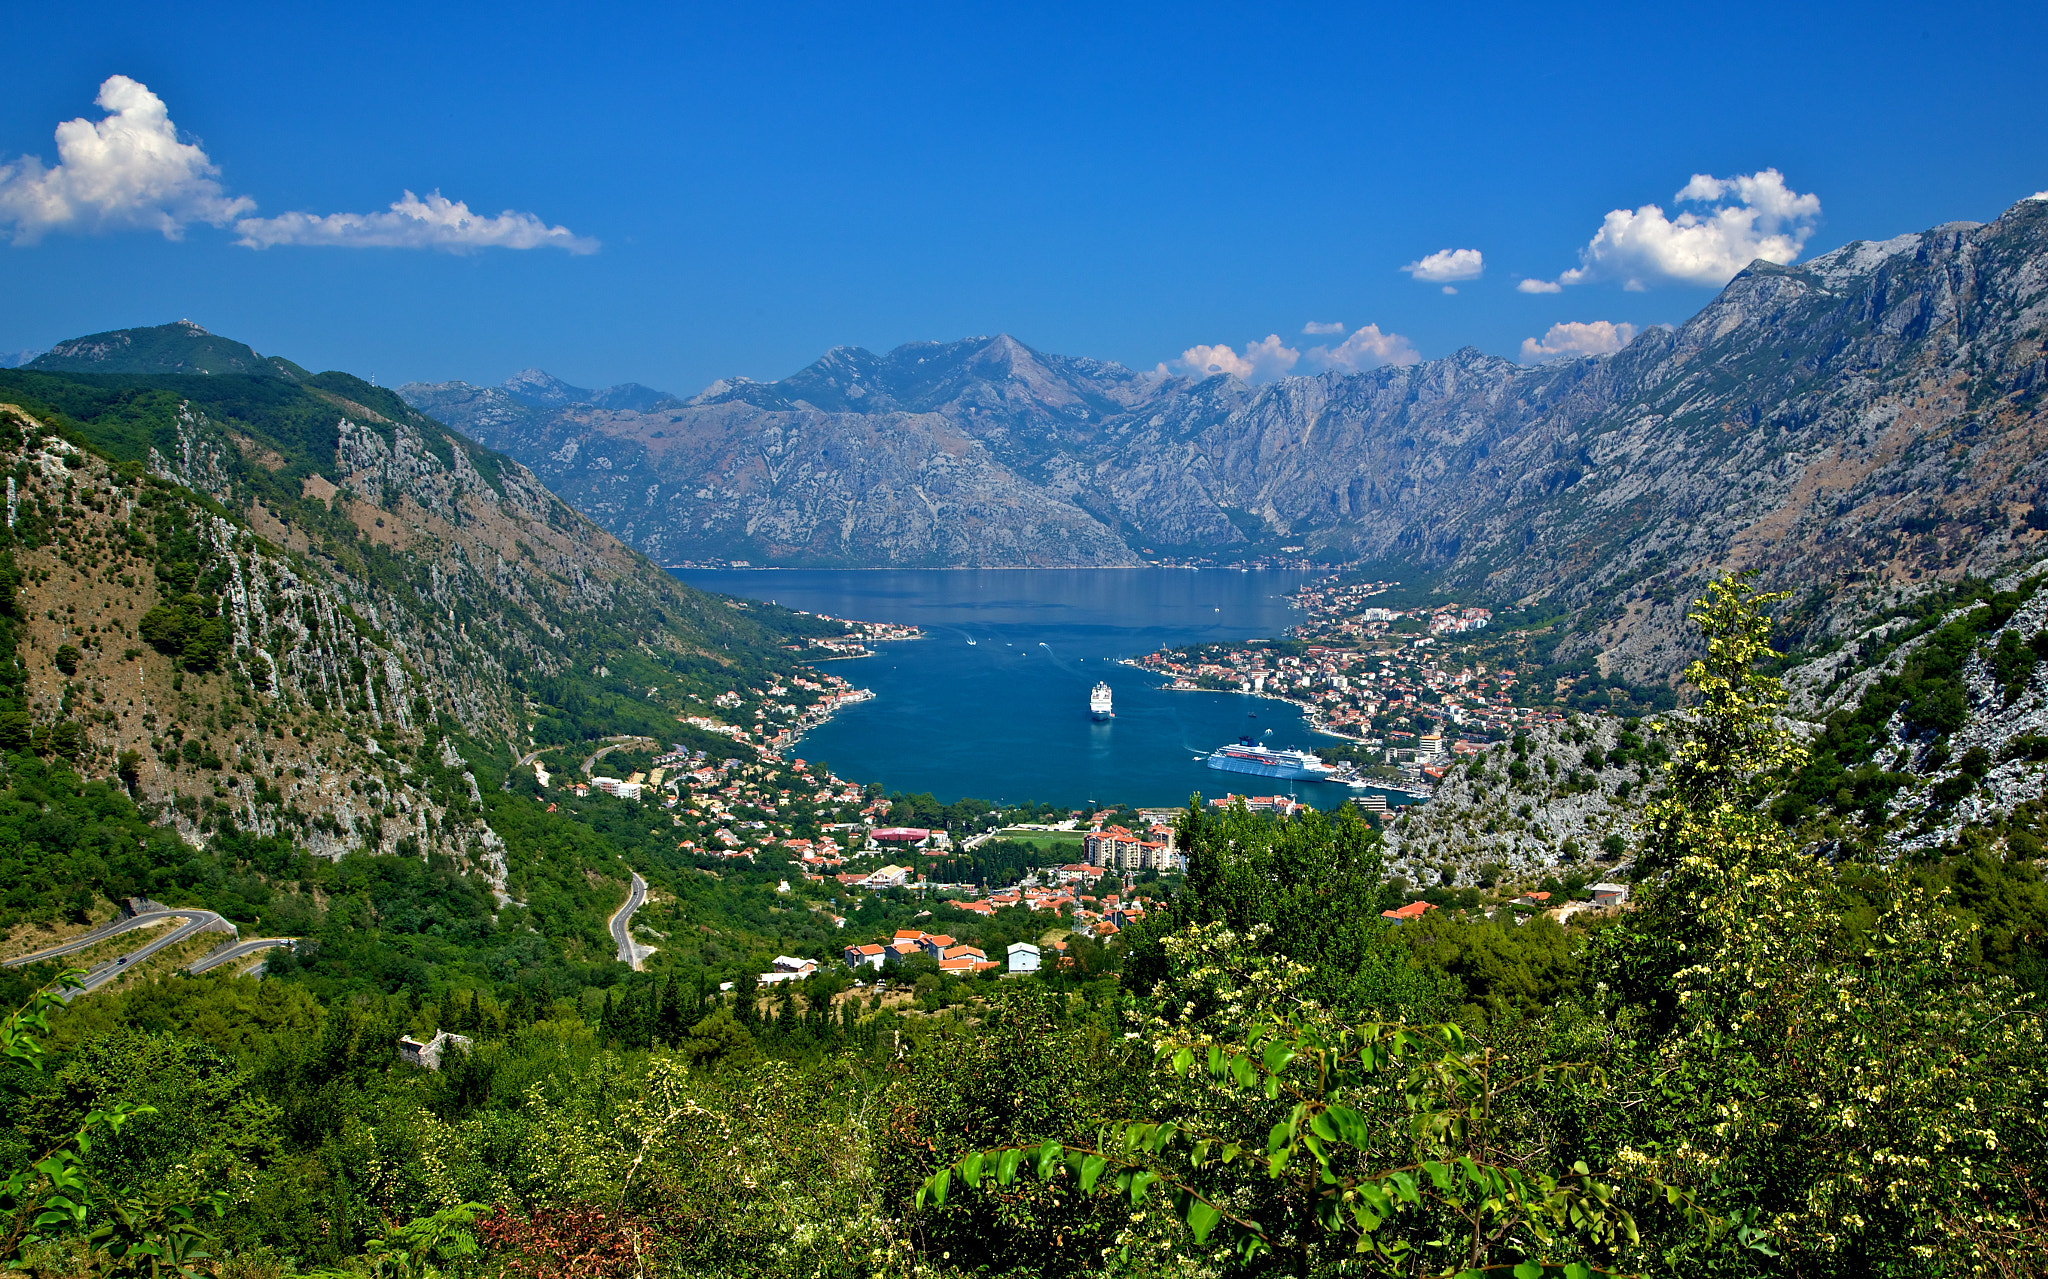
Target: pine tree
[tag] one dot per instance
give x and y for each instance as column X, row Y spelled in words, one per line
column 743, row 1009
column 669, row 1023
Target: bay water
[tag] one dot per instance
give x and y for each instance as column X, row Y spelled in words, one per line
column 993, row 702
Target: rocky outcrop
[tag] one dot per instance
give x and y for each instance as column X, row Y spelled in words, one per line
column 272, row 594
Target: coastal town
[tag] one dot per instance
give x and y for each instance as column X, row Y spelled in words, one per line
column 1405, row 694
column 1405, row 690
column 832, row 848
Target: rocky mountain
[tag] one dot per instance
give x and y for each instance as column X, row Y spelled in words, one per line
column 1867, row 419
column 934, row 454
column 1925, row 726
column 276, row 601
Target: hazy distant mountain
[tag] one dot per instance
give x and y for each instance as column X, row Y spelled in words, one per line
column 1874, row 415
column 935, row 453
column 15, row 359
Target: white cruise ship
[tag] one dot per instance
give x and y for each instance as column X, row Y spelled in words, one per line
column 1098, row 702
column 1260, row 761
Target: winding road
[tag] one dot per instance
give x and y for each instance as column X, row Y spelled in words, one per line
column 186, row 922
column 590, row 761
column 630, row 952
column 232, row 951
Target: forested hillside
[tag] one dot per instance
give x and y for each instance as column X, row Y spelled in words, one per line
column 1727, row 1075
column 284, row 573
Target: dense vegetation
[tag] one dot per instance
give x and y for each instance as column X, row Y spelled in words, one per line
column 1775, row 1064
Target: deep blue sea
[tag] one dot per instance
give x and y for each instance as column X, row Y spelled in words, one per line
column 1005, row 717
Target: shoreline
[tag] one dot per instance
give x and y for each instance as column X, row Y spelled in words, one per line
column 1240, row 567
column 805, row 724
column 1309, row 716
column 1310, row 712
column 798, row 731
column 854, row 657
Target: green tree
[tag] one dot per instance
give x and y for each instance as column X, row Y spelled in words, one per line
column 1306, row 887
column 669, row 1023
column 1808, row 1065
column 54, row 1192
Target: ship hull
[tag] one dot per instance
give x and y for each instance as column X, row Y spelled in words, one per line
column 1259, row 768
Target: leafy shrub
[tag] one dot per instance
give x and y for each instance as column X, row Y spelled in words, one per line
column 188, row 630
column 2032, row 746
column 1950, row 789
column 1939, row 705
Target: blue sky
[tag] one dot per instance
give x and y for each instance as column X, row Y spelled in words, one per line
column 760, row 183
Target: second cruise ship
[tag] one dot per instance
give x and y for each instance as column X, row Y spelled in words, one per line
column 1099, row 702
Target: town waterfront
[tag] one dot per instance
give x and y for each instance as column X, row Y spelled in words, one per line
column 993, row 703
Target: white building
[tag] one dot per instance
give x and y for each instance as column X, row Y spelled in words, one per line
column 428, row 1054
column 1023, row 957
column 887, row 877
column 1609, row 894
column 788, row 968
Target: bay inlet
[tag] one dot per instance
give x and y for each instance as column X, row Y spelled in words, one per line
column 993, row 703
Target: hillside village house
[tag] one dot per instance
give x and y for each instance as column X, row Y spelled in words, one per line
column 887, row 877
column 964, row 960
column 789, row 968
column 428, row 1054
column 1413, row 910
column 1023, row 957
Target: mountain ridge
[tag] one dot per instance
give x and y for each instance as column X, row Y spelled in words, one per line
column 1611, row 485
column 246, row 593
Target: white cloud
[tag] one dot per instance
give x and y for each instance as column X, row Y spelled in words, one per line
column 1368, row 348
column 127, row 172
column 1742, row 219
column 130, row 172
column 1539, row 286
column 1446, row 265
column 1572, row 339
column 412, row 223
column 1262, row 361
column 1449, row 289
column 2039, row 195
column 1316, row 328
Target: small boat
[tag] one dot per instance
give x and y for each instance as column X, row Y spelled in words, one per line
column 970, row 641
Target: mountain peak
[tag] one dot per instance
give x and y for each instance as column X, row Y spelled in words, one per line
column 539, row 387
column 180, row 347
